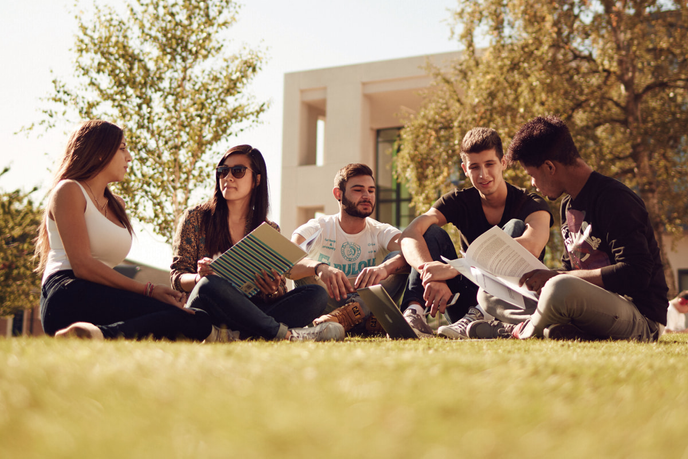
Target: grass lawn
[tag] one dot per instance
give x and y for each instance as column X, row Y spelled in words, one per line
column 360, row 398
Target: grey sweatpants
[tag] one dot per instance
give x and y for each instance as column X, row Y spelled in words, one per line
column 568, row 299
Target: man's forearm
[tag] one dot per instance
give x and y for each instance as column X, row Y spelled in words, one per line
column 415, row 250
column 304, row 268
column 395, row 265
column 594, row 276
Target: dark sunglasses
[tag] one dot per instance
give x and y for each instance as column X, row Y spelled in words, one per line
column 237, row 171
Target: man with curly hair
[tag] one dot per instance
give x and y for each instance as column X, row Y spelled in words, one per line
column 612, row 283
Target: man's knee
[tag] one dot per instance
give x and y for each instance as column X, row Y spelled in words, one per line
column 514, row 227
column 561, row 287
column 558, row 292
column 439, row 243
column 435, row 234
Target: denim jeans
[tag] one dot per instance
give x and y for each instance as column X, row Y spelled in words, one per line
column 254, row 318
column 440, row 244
column 65, row 299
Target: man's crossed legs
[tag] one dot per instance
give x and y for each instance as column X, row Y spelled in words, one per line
column 568, row 308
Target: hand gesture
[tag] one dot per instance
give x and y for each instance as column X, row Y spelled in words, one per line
column 336, row 282
column 436, row 271
column 371, row 276
column 535, row 280
column 268, row 283
column 436, row 296
column 167, row 295
column 203, row 267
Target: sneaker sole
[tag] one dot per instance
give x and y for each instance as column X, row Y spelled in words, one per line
column 447, row 333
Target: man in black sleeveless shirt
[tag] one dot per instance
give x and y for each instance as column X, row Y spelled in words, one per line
column 491, row 201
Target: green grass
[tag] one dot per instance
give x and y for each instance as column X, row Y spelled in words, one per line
column 360, row 398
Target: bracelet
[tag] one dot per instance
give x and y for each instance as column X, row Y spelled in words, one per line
column 315, row 269
column 148, row 290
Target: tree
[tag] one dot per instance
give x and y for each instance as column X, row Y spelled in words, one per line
column 19, row 221
column 163, row 72
column 615, row 71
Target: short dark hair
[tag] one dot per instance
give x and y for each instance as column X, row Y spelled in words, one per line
column 542, row 139
column 481, row 139
column 350, row 171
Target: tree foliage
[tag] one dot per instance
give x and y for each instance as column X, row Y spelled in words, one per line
column 163, row 72
column 615, row 71
column 19, row 221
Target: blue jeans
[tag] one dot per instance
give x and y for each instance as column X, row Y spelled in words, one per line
column 65, row 299
column 440, row 244
column 254, row 318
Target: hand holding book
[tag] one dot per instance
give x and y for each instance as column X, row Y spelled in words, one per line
column 264, row 250
column 497, row 264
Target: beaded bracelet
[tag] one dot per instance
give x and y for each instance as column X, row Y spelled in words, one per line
column 148, row 291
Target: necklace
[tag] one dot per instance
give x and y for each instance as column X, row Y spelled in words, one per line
column 104, row 206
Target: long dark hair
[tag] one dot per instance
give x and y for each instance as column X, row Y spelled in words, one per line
column 215, row 217
column 89, row 149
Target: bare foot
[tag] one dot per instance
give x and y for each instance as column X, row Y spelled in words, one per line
column 82, row 330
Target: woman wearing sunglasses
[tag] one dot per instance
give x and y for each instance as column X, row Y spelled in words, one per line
column 238, row 205
column 84, row 235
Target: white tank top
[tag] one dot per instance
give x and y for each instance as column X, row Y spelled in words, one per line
column 110, row 243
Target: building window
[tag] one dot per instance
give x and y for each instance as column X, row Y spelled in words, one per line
column 312, row 146
column 393, row 198
column 682, row 280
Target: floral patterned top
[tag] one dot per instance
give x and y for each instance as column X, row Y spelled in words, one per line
column 189, row 247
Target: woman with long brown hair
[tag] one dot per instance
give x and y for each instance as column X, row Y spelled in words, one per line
column 84, row 235
column 238, row 205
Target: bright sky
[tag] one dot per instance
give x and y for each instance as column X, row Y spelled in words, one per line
column 36, row 37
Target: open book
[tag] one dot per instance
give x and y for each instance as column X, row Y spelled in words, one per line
column 263, row 248
column 495, row 262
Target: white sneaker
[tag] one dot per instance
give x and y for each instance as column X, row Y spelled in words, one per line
column 326, row 331
column 459, row 329
column 418, row 323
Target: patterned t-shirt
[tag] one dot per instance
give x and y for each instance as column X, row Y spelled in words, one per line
column 350, row 253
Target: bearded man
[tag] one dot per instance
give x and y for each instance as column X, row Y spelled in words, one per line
column 351, row 251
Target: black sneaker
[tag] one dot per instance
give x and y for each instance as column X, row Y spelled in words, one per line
column 568, row 332
column 482, row 329
column 457, row 330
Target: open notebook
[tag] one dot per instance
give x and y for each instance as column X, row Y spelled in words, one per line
column 263, row 248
